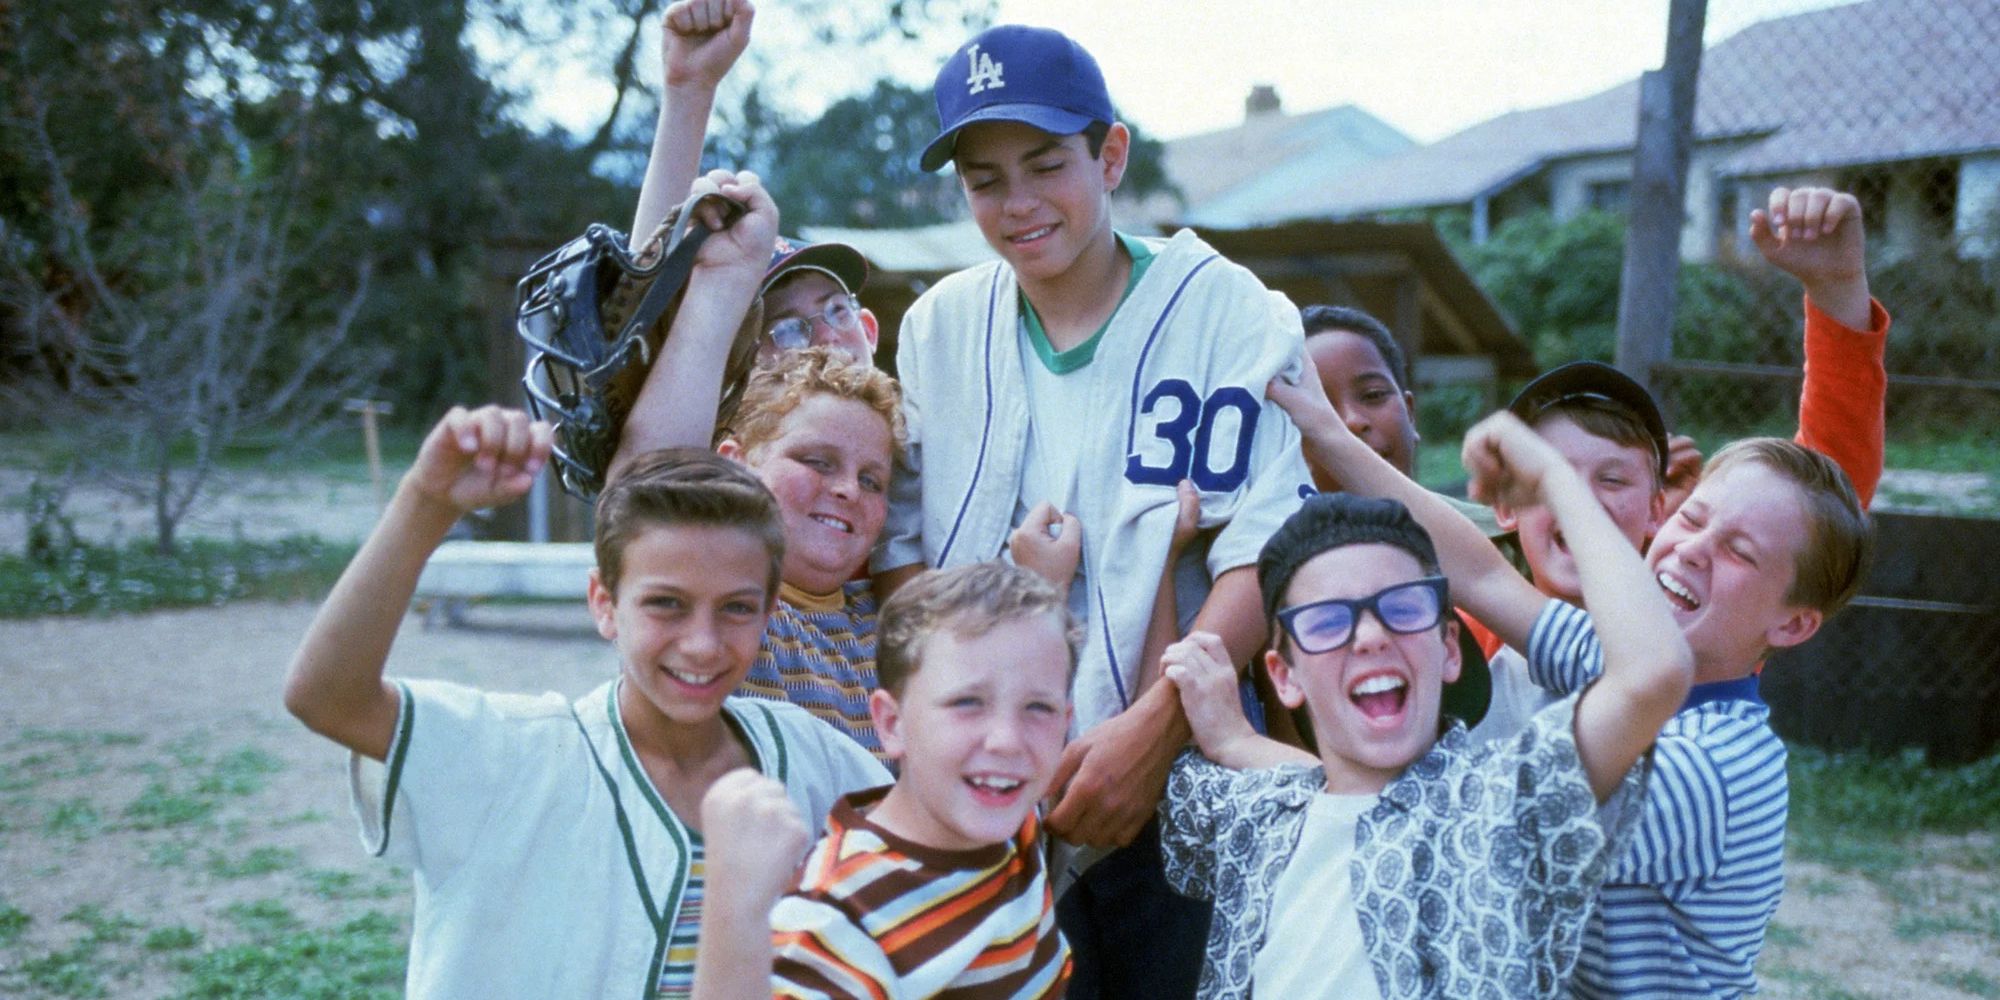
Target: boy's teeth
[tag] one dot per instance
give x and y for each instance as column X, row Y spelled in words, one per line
column 1037, row 234
column 695, row 679
column 1678, row 589
column 833, row 522
column 1377, row 684
column 997, row 784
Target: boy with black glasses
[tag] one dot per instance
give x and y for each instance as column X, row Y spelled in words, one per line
column 1400, row 862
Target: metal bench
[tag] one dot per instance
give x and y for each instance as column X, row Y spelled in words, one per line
column 461, row 572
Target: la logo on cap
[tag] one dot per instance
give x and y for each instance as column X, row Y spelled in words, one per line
column 985, row 72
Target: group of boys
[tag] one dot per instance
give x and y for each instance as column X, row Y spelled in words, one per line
column 1081, row 503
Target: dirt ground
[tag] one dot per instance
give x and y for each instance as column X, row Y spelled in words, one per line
column 106, row 724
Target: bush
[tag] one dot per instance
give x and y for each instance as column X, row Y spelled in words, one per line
column 95, row 579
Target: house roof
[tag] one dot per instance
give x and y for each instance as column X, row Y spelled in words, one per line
column 1222, row 173
column 936, row 249
column 1911, row 79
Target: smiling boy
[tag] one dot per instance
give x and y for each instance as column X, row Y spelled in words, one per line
column 556, row 845
column 1772, row 541
column 936, row 884
column 1399, row 862
column 1091, row 371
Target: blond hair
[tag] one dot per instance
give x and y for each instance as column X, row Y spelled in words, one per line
column 1839, row 535
column 778, row 388
column 967, row 601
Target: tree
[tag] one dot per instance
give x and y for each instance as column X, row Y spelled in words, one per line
column 172, row 328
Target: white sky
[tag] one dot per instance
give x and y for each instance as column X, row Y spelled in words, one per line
column 1428, row 67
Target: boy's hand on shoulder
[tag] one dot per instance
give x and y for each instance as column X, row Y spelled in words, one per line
column 755, row 838
column 745, row 246
column 1199, row 668
column 1050, row 542
column 701, row 39
column 1507, row 461
column 479, row 458
column 1306, row 402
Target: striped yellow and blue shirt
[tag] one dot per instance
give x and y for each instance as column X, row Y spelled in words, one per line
column 819, row 654
column 677, row 971
column 878, row 916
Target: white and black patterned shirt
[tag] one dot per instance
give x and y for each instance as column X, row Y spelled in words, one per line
column 1472, row 877
column 1685, row 907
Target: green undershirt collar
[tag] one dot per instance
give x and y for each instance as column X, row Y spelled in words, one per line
column 1064, row 362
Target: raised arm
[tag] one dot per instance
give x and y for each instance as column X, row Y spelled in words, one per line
column 1817, row 236
column 755, row 838
column 1482, row 582
column 481, row 458
column 677, row 404
column 699, row 41
column 1647, row 664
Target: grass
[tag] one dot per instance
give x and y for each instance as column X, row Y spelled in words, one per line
column 1873, row 795
column 99, row 579
column 362, row 958
column 13, row 923
column 1968, row 981
column 258, row 861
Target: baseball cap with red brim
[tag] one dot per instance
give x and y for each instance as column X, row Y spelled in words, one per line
column 838, row 261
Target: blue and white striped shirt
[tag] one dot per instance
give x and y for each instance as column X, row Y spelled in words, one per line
column 1684, row 910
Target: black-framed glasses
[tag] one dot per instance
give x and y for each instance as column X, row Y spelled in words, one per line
column 1324, row 626
column 794, row 332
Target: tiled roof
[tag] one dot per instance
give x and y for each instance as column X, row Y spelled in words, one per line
column 1881, row 81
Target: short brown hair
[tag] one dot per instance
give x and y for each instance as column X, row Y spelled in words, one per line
column 1610, row 420
column 1840, row 538
column 778, row 388
column 967, row 601
column 685, row 486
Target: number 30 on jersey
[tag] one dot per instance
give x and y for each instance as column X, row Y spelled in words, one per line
column 1206, row 440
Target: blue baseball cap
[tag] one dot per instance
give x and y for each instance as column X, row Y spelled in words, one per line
column 838, row 261
column 1014, row 73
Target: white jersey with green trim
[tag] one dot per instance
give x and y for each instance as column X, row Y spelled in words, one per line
column 545, row 862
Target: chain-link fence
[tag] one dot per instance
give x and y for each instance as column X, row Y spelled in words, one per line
column 1894, row 101
column 1907, row 119
column 1898, row 103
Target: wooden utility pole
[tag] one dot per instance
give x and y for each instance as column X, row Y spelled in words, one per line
column 370, row 438
column 1657, row 203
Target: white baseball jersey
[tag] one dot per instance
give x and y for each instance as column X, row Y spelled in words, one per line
column 1179, row 394
column 546, row 864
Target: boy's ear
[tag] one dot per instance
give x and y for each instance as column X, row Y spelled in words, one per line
column 1454, row 661
column 1799, row 625
column 602, row 604
column 887, row 716
column 1117, row 147
column 1505, row 516
column 1656, row 514
column 871, row 326
column 731, row 449
column 1289, row 692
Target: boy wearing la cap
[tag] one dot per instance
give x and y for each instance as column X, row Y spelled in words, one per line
column 1092, row 371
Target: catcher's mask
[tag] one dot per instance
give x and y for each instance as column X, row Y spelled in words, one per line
column 593, row 315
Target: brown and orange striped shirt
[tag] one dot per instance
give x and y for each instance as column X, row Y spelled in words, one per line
column 878, row 916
